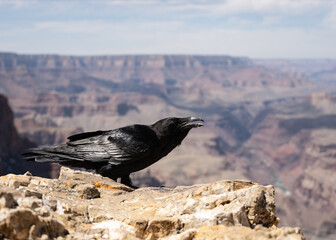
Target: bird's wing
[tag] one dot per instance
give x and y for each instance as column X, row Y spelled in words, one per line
column 116, row 147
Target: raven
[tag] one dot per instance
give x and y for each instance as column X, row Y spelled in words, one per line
column 119, row 152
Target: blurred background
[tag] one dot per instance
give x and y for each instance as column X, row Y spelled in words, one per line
column 261, row 73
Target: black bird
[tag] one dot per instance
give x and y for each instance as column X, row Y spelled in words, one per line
column 119, row 152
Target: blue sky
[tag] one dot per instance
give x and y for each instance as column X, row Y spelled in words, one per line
column 252, row 28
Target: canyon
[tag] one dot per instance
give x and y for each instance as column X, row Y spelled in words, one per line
column 266, row 121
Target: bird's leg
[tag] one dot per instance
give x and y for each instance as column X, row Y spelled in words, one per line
column 127, row 181
column 108, row 174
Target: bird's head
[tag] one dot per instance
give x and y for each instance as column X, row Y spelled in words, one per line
column 175, row 128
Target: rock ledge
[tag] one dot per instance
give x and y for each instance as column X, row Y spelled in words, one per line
column 82, row 205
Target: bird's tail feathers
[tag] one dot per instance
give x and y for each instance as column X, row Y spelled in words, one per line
column 53, row 154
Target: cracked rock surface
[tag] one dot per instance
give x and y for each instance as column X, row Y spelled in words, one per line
column 82, row 205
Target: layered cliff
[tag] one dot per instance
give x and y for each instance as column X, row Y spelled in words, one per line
column 81, row 205
column 10, row 61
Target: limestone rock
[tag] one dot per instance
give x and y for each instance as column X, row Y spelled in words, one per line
column 89, row 206
column 22, row 223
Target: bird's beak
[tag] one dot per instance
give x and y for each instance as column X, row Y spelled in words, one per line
column 192, row 122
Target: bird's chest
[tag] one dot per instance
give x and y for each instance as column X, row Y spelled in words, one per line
column 164, row 149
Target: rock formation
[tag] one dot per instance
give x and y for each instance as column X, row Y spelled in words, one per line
column 12, row 145
column 10, row 140
column 82, row 205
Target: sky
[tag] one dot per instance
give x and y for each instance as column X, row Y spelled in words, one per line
column 250, row 28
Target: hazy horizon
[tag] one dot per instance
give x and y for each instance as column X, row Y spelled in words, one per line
column 263, row 29
column 193, row 55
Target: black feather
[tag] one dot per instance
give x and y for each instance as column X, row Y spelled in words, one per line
column 85, row 135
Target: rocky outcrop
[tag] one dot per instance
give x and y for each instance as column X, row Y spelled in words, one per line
column 82, row 205
column 12, row 145
column 10, row 141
